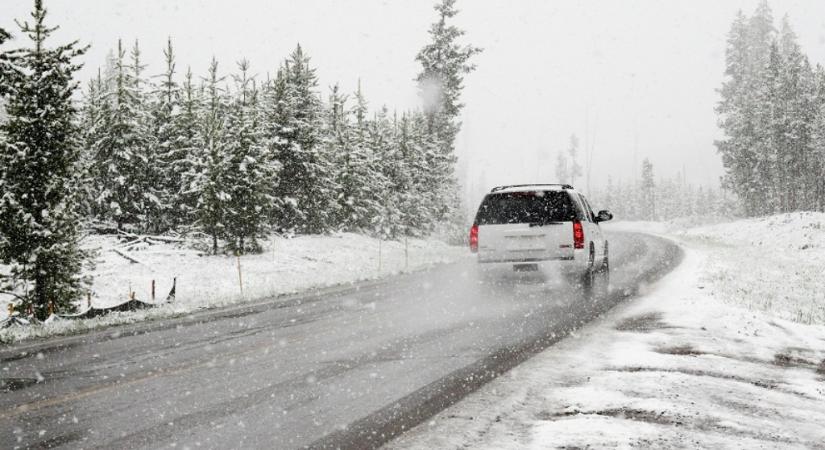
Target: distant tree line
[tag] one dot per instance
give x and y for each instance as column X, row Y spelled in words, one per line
column 649, row 198
column 231, row 155
column 772, row 113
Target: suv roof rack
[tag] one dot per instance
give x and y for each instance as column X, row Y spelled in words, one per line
column 501, row 188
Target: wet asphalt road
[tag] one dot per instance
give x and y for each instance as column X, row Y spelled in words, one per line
column 348, row 368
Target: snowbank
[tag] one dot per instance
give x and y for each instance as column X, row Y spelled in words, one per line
column 700, row 362
column 774, row 264
column 287, row 265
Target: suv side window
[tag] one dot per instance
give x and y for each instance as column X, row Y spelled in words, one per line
column 587, row 211
column 581, row 211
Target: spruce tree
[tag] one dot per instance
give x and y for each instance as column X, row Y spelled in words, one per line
column 187, row 163
column 39, row 159
column 381, row 172
column 562, row 168
column 5, row 67
column 573, row 151
column 414, row 203
column 121, row 159
column 210, row 169
column 169, row 149
column 648, row 185
column 444, row 63
column 244, row 180
column 91, row 128
column 797, row 101
column 147, row 177
column 817, row 166
column 305, row 192
column 746, row 110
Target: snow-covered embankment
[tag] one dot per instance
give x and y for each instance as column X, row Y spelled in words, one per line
column 287, row 265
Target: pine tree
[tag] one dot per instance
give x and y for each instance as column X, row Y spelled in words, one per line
column 444, row 63
column 648, row 193
column 39, row 159
column 147, row 178
column 5, row 68
column 381, row 170
column 562, row 169
column 121, row 152
column 210, row 169
column 169, row 149
column 358, row 178
column 305, row 192
column 415, row 204
column 573, row 151
column 92, row 115
column 817, row 165
column 187, row 165
column 244, row 180
column 797, row 99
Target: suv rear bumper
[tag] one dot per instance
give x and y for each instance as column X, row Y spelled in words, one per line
column 524, row 260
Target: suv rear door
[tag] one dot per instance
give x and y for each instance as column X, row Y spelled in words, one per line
column 525, row 226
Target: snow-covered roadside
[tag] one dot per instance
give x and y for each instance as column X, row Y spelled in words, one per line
column 287, row 265
column 700, row 361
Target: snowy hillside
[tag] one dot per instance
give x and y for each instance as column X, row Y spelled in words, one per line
column 773, row 264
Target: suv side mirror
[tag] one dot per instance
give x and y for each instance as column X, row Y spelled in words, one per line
column 603, row 216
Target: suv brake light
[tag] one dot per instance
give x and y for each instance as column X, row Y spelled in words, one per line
column 578, row 235
column 474, row 238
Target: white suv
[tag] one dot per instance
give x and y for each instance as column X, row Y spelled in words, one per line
column 528, row 224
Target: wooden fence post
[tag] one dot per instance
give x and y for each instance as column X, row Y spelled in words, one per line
column 240, row 276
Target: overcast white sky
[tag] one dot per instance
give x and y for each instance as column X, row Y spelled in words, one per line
column 639, row 75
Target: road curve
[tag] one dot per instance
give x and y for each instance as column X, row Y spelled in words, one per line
column 346, row 369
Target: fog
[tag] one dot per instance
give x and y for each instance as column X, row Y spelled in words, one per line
column 633, row 79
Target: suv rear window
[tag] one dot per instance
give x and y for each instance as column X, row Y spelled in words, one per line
column 526, row 207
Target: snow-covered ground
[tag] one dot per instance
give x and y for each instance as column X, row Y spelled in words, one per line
column 726, row 352
column 287, row 265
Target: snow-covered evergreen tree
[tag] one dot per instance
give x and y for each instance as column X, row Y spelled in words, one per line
column 359, row 178
column 770, row 100
column 210, row 170
column 6, row 70
column 575, row 169
column 747, row 57
column 444, row 63
column 91, row 123
column 121, row 152
column 383, row 169
column 817, row 157
column 246, row 169
column 306, row 189
column 148, row 175
column 187, row 165
column 170, row 150
column 562, row 169
column 648, row 192
column 39, row 161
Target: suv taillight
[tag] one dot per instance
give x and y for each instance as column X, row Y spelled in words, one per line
column 578, row 235
column 474, row 238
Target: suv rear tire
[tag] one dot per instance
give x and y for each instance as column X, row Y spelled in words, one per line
column 587, row 280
